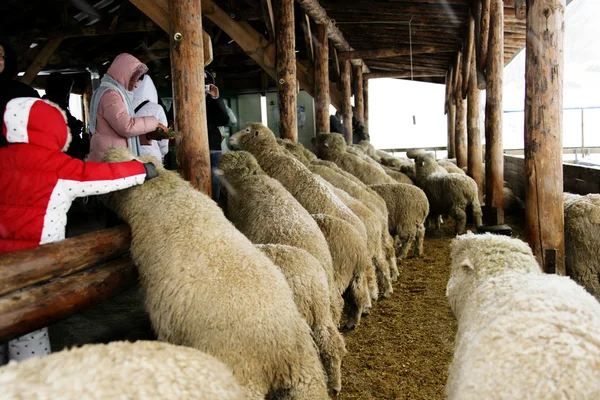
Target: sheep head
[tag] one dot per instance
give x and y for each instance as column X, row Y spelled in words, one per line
column 425, row 165
column 329, row 144
column 480, row 257
column 255, row 138
column 294, row 149
column 239, row 164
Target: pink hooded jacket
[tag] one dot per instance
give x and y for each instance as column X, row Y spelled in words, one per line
column 113, row 123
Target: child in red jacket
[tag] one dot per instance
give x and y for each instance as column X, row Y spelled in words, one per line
column 38, row 182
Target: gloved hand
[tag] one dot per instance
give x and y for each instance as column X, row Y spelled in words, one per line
column 151, row 171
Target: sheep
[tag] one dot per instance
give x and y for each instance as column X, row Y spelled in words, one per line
column 261, row 208
column 448, row 193
column 306, row 188
column 406, row 216
column 398, row 163
column 353, row 263
column 206, row 286
column 522, row 334
column 309, row 284
column 582, row 240
column 357, row 190
column 450, row 167
column 332, row 146
column 121, row 370
column 372, row 152
column 396, row 175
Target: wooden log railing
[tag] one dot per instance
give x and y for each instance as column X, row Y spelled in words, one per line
column 42, row 285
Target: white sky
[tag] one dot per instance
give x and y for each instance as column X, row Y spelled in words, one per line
column 393, row 102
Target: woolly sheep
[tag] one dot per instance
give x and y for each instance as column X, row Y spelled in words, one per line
column 448, row 193
column 369, row 150
column 206, row 286
column 306, row 188
column 332, row 147
column 407, row 213
column 582, row 240
column 522, row 334
column 261, row 208
column 395, row 175
column 358, row 190
column 449, row 166
column 119, row 370
column 352, row 263
column 309, row 284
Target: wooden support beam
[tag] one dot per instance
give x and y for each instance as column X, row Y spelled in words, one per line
column 401, row 75
column 366, row 99
column 314, row 10
column 322, row 79
column 41, row 60
column 484, row 34
column 460, row 132
column 336, row 61
column 286, row 70
column 359, row 103
column 308, row 40
column 158, row 11
column 494, row 158
column 477, row 8
column 451, row 114
column 474, row 150
column 544, row 70
column 25, row 268
column 469, row 49
column 457, row 89
column 40, row 306
column 267, row 9
column 187, row 67
column 257, row 48
column 387, row 53
column 346, row 104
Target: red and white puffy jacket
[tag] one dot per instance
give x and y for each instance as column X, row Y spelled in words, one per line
column 38, row 181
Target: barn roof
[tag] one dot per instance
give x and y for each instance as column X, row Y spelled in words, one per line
column 90, row 33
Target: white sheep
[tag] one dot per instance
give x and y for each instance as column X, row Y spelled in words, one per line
column 448, row 193
column 121, row 370
column 522, row 334
column 582, row 240
column 309, row 284
column 206, row 286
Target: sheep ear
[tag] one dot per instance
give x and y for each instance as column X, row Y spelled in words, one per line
column 326, row 144
column 467, row 266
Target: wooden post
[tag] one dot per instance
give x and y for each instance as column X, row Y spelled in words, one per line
column 366, row 102
column 42, row 305
column 474, row 159
column 187, row 72
column 470, row 48
column 460, row 132
column 322, row 79
column 451, row 127
column 494, row 161
column 543, row 132
column 286, row 70
column 359, row 103
column 346, row 104
column 41, row 60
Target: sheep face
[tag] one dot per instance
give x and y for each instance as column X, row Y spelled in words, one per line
column 329, row 144
column 480, row 257
column 256, row 136
column 239, row 164
column 425, row 165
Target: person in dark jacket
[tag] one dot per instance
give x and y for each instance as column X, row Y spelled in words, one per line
column 58, row 91
column 10, row 88
column 216, row 115
column 335, row 123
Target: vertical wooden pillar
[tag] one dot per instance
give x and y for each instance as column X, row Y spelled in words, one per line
column 474, row 159
column 346, row 105
column 543, row 132
column 187, row 71
column 460, row 131
column 366, row 101
column 286, row 70
column 451, row 115
column 494, row 161
column 359, row 103
column 322, row 99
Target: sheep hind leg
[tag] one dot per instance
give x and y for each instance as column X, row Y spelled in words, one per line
column 359, row 297
column 390, row 255
column 420, row 238
column 460, row 216
column 384, row 280
column 371, row 281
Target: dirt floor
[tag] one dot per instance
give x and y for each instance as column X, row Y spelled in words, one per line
column 403, row 349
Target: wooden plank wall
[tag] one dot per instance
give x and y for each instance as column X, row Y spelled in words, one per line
column 576, row 178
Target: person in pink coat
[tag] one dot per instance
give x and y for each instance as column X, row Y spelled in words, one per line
column 112, row 121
